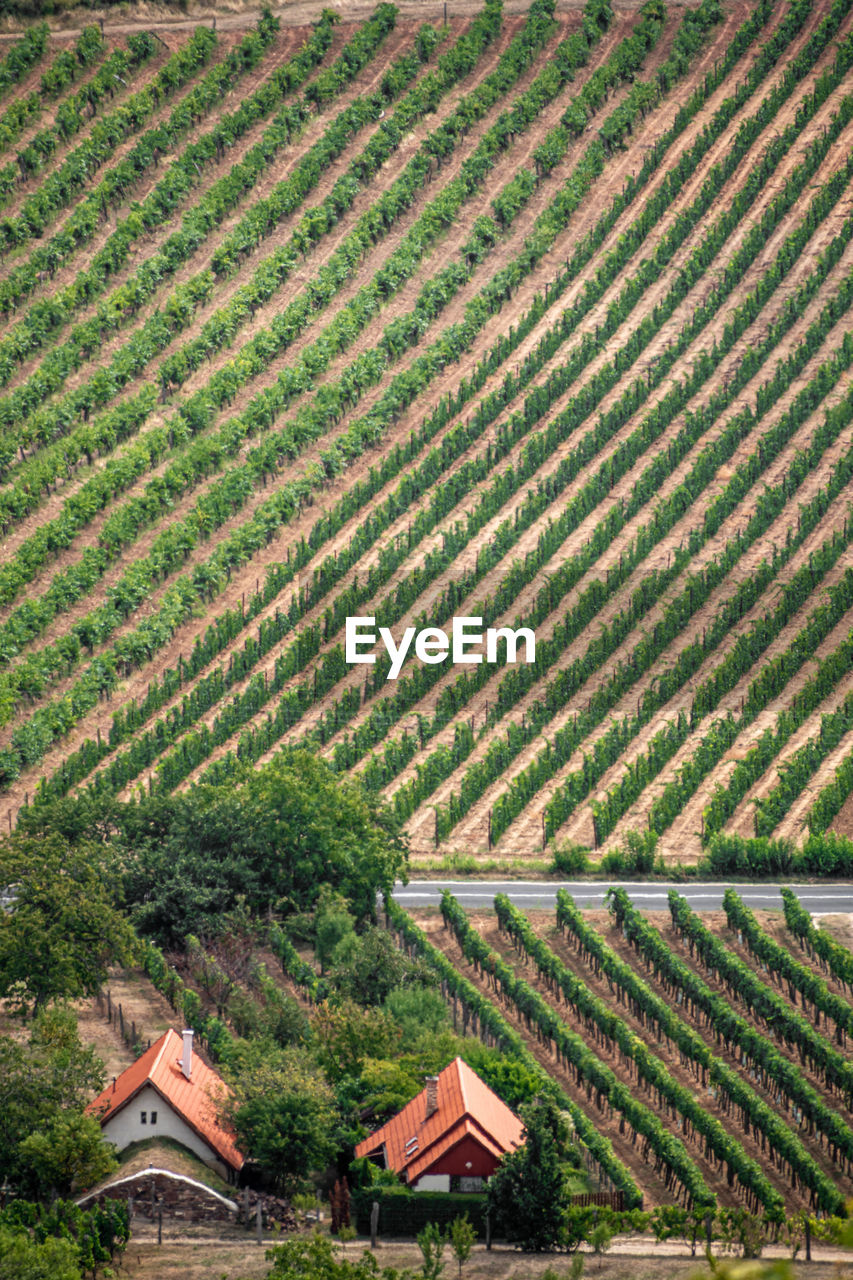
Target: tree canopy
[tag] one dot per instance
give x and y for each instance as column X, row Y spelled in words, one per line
column 63, row 928
column 528, row 1191
column 272, row 839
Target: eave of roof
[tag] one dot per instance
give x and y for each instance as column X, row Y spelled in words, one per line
column 411, row 1137
column 190, row 1099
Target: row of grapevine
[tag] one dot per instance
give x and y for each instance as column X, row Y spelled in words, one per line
column 834, row 958
column 814, row 1050
column 572, row 1051
column 450, row 551
column 298, row 700
column 35, row 425
column 784, row 1147
column 70, row 114
column 774, row 1068
column 285, row 497
column 23, row 55
column 486, row 1017
column 829, row 801
column 672, row 1098
column 521, row 673
column 799, row 979
column 265, row 350
column 798, row 769
column 65, row 68
column 101, row 435
column 760, row 755
column 61, row 188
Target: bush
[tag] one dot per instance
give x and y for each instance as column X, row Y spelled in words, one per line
column 570, row 859
column 405, row 1213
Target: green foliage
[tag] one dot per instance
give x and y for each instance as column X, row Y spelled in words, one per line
column 283, row 1113
column 461, row 1237
column 317, row 1258
column 419, row 1011
column 23, row 1258
column 333, row 922
column 636, row 857
column 368, row 967
column 347, row 1034
column 64, row 928
column 272, row 836
column 570, row 858
column 66, row 1156
column 431, row 1242
column 527, row 1193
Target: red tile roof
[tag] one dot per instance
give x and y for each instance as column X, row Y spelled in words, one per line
column 466, row 1106
column 192, row 1099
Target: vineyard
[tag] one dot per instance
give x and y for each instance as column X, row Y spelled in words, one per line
column 705, row 1061
column 539, row 318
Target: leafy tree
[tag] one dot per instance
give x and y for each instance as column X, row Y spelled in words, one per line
column 601, row 1238
column 369, row 966
column 64, row 928
column 333, row 923
column 527, row 1192
column 51, row 1077
column 431, row 1243
column 419, row 1012
column 22, row 1258
column 68, row 1155
column 317, row 1258
column 283, row 1112
column 462, row 1236
column 274, row 836
column 347, row 1035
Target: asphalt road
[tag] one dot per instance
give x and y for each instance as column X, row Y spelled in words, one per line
column 530, row 894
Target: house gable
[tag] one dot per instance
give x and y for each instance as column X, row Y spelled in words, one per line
column 456, row 1122
column 183, row 1106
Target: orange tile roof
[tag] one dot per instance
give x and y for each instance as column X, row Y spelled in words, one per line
column 192, row 1099
column 466, row 1106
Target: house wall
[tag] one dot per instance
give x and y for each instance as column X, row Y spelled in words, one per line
column 466, row 1160
column 126, row 1127
column 432, row 1182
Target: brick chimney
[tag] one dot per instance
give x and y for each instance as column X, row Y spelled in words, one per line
column 431, row 1096
column 187, row 1055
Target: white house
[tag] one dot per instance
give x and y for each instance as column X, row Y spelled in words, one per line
column 169, row 1093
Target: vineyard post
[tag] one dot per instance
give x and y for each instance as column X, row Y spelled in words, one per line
column 259, row 1222
column 808, row 1239
column 544, row 834
column 490, row 829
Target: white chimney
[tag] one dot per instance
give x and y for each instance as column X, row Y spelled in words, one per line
column 431, row 1096
column 187, row 1056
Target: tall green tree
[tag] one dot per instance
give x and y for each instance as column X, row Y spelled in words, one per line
column 283, row 1112
column 62, row 928
column 527, row 1193
column 274, row 838
column 44, row 1085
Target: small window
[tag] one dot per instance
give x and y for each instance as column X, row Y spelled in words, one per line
column 143, row 1117
column 153, row 1117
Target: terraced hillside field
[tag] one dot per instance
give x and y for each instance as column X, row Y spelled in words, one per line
column 538, row 318
column 704, row 1058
